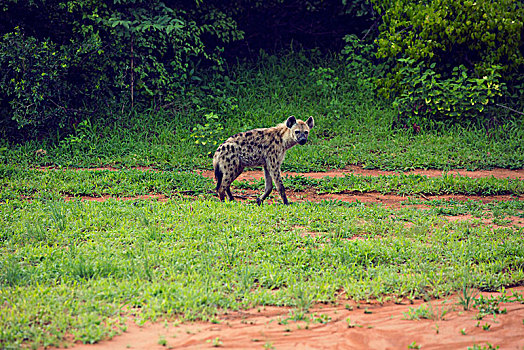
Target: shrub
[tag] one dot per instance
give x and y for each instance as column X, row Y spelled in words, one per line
column 66, row 60
column 451, row 59
column 459, row 96
column 32, row 80
column 478, row 34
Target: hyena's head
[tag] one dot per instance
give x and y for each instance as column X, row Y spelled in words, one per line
column 300, row 129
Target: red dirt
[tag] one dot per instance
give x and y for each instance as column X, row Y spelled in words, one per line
column 311, row 196
column 356, row 170
column 375, row 327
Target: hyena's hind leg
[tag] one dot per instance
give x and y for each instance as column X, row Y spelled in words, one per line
column 219, row 177
column 233, row 170
column 269, row 186
column 224, row 188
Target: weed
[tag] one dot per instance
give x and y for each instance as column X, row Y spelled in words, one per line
column 162, row 341
column 352, row 324
column 489, row 305
column 467, row 296
column 427, row 311
column 268, row 345
column 488, row 346
column 322, row 318
column 414, row 345
column 215, row 342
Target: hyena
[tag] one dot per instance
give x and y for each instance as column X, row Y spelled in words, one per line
column 259, row 147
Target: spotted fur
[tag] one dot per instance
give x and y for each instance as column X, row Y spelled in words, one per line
column 259, row 147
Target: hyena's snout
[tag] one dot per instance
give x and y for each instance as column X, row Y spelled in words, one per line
column 301, row 138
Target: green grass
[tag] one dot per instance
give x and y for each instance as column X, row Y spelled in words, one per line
column 82, row 268
column 54, row 183
column 353, row 126
column 27, row 183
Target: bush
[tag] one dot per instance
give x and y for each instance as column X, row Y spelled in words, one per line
column 478, row 34
column 62, row 61
column 459, row 96
column 32, row 81
column 449, row 55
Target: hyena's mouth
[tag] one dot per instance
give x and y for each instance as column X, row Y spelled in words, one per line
column 302, row 142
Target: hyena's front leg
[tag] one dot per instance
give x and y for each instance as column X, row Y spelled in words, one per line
column 269, row 186
column 275, row 174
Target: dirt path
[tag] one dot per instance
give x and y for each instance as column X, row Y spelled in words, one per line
column 357, row 170
column 352, row 169
column 347, row 325
column 312, row 196
column 391, row 200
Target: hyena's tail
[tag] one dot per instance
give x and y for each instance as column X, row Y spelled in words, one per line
column 218, row 175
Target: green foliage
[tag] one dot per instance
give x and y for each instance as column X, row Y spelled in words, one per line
column 444, row 49
column 428, row 311
column 479, row 33
column 325, row 79
column 425, row 94
column 488, row 346
column 33, row 88
column 209, row 134
column 85, row 57
column 361, row 61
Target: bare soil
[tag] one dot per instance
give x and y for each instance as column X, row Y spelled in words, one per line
column 345, row 324
column 370, row 326
column 357, row 170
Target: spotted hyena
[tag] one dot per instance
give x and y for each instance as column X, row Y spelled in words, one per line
column 259, row 147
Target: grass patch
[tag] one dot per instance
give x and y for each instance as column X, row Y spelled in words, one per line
column 399, row 184
column 31, row 183
column 81, row 268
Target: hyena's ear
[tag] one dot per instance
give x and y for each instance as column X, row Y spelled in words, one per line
column 310, row 122
column 291, row 121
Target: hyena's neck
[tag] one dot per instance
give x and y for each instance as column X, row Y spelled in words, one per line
column 285, row 134
column 288, row 143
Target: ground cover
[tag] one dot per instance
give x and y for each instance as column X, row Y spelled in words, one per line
column 442, row 324
column 77, row 270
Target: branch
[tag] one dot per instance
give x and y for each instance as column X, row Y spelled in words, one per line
column 369, row 30
column 511, row 109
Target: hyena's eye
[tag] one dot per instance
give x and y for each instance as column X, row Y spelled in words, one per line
column 297, row 132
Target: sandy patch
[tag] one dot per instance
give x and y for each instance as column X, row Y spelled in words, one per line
column 370, row 326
